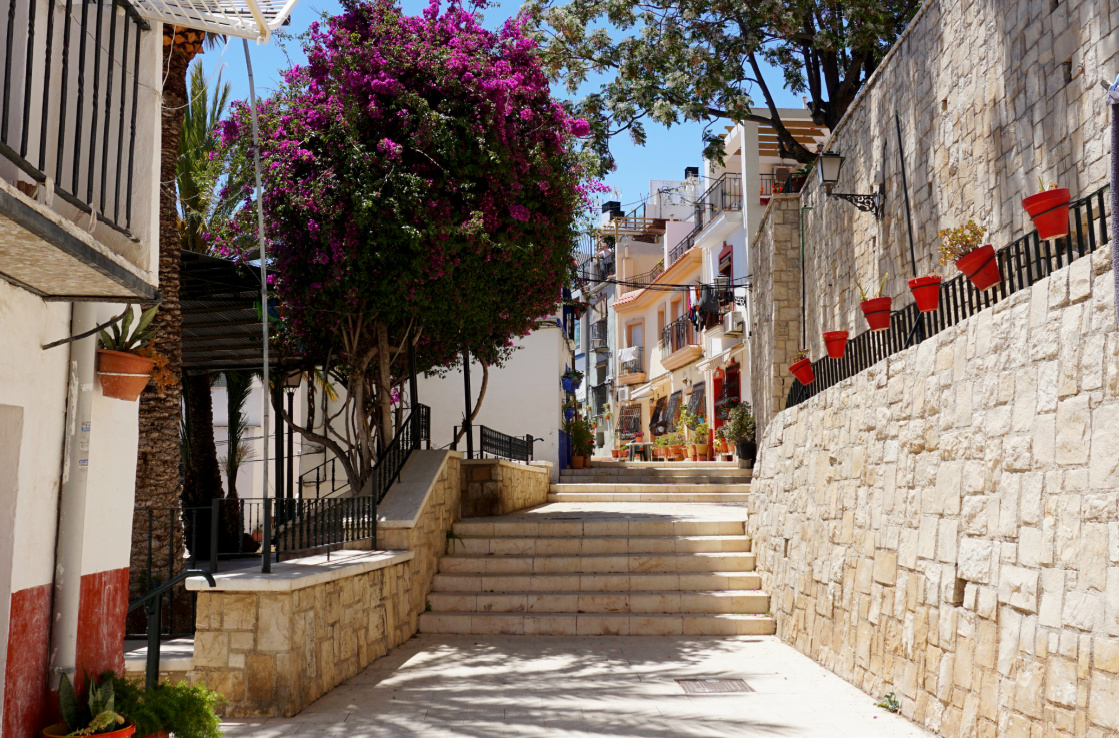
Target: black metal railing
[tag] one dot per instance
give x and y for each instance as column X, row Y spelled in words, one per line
column 171, row 526
column 604, row 267
column 678, row 334
column 152, row 602
column 70, row 97
column 496, row 443
column 415, row 430
column 327, row 479
column 640, row 281
column 723, row 195
column 636, row 365
column 1022, row 263
column 781, row 184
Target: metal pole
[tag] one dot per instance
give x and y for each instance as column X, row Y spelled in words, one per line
column 908, row 213
column 412, row 380
column 151, row 672
column 466, row 420
column 803, row 296
column 291, row 446
column 266, row 554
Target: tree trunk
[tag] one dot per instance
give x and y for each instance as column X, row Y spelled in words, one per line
column 157, row 464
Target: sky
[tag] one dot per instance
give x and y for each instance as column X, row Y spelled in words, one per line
column 665, row 154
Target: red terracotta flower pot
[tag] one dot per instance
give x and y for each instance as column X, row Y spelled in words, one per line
column 1049, row 211
column 877, row 312
column 802, row 370
column 836, row 342
column 60, row 729
column 981, row 266
column 123, row 376
column 926, row 292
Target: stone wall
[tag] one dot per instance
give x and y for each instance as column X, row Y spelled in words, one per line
column 499, row 487
column 775, row 334
column 991, row 95
column 273, row 643
column 943, row 525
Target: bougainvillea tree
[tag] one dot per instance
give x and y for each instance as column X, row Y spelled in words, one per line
column 421, row 185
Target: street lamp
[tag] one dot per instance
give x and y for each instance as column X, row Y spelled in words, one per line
column 828, row 165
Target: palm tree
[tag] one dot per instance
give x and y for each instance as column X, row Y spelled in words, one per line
column 158, row 483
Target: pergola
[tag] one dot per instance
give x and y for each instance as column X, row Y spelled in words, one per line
column 252, row 19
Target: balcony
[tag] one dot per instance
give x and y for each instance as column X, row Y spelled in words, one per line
column 780, row 184
column 678, row 344
column 631, row 366
column 79, row 151
column 724, row 195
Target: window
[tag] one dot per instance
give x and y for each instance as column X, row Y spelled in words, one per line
column 696, row 404
column 672, row 413
column 629, row 420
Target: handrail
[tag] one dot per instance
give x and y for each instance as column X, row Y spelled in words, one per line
column 152, row 608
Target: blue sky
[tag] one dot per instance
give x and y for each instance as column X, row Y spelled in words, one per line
column 665, row 154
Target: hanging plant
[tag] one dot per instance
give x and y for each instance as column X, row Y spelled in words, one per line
column 802, row 368
column 1049, row 210
column 926, row 292
column 875, row 307
column 960, row 246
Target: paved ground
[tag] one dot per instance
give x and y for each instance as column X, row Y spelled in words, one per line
column 482, row 686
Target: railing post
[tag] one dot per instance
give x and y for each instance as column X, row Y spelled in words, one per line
column 154, row 613
column 215, row 511
column 266, row 543
column 528, row 445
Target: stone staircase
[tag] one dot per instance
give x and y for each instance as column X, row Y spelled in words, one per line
column 656, row 562
column 607, row 481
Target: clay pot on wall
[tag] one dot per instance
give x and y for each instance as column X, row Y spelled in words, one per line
column 877, row 312
column 1049, row 210
column 836, row 343
column 123, row 375
column 802, row 370
column 926, row 292
column 981, row 266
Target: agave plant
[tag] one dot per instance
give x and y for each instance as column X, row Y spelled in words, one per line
column 96, row 714
column 123, row 337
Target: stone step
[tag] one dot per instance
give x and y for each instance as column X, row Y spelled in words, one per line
column 651, row 479
column 647, row 488
column 655, row 471
column 725, row 497
column 611, row 464
column 593, row 564
column 596, row 624
column 590, row 527
column 664, row 602
column 686, row 582
column 572, row 546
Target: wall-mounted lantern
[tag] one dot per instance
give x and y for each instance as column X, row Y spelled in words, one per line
column 828, row 166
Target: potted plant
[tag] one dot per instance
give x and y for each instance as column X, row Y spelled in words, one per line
column 836, row 343
column 569, row 410
column 571, row 379
column 582, row 441
column 701, row 437
column 122, row 365
column 802, row 368
column 185, row 710
column 926, row 292
column 721, row 441
column 1049, row 210
column 875, row 307
column 740, row 430
column 258, row 533
column 93, row 713
column 960, row 246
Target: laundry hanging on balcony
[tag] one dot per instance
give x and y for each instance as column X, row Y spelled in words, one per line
column 629, row 354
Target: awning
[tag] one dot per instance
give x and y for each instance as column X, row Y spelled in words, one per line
column 646, row 389
column 255, row 19
column 220, row 303
column 721, row 358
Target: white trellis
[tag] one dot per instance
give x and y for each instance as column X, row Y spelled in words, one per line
column 255, row 19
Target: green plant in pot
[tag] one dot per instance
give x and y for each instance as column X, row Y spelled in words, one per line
column 741, row 430
column 184, row 710
column 94, row 713
column 581, row 433
column 124, row 362
column 700, row 433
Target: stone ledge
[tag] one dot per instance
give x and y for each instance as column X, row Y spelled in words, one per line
column 539, row 467
column 296, row 574
column 407, row 498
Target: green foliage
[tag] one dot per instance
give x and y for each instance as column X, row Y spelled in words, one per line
column 581, row 434
column 695, row 60
column 889, row 702
column 186, row 710
column 958, row 242
column 866, row 295
column 701, row 432
column 690, row 420
column 124, row 337
column 90, row 715
column 741, row 425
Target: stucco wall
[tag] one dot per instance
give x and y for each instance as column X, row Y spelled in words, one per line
column 943, row 525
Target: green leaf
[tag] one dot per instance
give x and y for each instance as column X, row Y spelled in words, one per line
column 129, row 315
column 68, row 704
column 106, row 341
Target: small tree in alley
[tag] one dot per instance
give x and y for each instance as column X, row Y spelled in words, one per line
column 420, row 187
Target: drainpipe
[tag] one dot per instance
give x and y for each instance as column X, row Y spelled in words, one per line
column 72, row 495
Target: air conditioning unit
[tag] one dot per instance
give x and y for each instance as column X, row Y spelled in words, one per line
column 734, row 324
column 623, row 394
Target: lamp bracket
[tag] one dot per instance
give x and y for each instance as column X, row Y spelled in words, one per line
column 866, row 203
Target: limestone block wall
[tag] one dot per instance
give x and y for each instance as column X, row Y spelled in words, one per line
column 943, row 525
column 774, row 306
column 499, row 487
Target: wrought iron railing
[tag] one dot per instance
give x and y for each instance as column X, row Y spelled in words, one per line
column 327, row 479
column 781, row 184
column 415, row 430
column 70, row 97
column 723, row 195
column 678, row 334
column 172, row 526
column 1022, row 263
column 636, row 365
column 645, row 279
column 496, row 443
column 152, row 602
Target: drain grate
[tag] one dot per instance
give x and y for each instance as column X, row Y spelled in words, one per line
column 713, row 686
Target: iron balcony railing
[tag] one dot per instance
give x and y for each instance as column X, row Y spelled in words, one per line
column 496, row 443
column 678, row 334
column 600, row 395
column 725, row 194
column 781, row 184
column 635, row 365
column 645, row 279
column 71, row 88
column 598, row 330
column 1022, row 263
